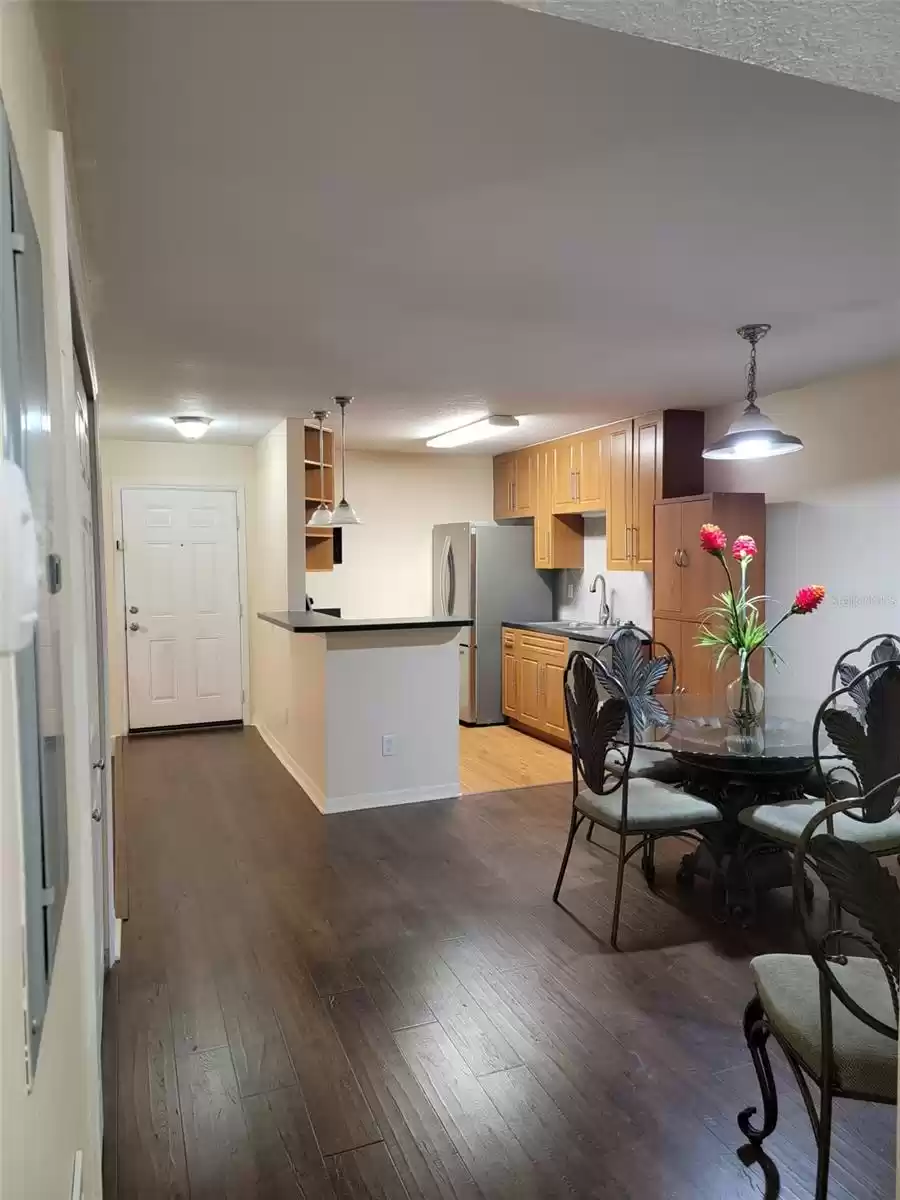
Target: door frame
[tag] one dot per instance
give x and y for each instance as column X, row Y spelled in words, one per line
column 117, row 600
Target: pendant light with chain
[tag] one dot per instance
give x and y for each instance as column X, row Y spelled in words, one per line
column 321, row 518
column 344, row 513
column 753, row 434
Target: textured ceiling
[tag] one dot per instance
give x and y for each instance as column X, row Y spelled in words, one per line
column 444, row 208
column 851, row 43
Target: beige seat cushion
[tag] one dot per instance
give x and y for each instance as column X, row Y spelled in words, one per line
column 785, row 822
column 652, row 806
column 649, row 764
column 865, row 1060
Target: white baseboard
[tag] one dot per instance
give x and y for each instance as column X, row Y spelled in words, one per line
column 292, row 767
column 339, row 804
column 439, row 791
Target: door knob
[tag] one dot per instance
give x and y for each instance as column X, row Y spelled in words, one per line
column 134, row 627
column 96, row 814
column 99, row 765
column 133, row 609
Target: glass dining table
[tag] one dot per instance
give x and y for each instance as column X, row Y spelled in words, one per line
column 735, row 770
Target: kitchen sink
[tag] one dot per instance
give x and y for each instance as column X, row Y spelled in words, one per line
column 567, row 627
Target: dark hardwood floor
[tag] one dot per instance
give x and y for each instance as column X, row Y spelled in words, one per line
column 387, row 1004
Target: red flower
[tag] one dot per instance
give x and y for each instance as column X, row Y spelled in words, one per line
column 744, row 547
column 808, row 599
column 712, row 539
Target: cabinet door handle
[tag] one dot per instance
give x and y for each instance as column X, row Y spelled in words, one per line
column 547, row 544
column 628, row 541
column 635, row 542
column 577, row 485
column 685, row 558
column 512, row 488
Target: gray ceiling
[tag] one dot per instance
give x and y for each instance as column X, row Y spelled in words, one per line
column 851, row 43
column 443, row 207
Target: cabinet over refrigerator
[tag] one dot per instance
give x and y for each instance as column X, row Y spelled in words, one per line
column 485, row 572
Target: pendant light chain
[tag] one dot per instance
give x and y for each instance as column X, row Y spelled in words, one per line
column 343, row 404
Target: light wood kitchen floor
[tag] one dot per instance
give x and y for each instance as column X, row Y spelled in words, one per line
column 495, row 758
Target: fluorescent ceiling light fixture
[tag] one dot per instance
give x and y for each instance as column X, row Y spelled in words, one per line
column 753, row 435
column 476, row 431
column 192, row 427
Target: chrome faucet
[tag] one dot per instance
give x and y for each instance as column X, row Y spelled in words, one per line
column 605, row 613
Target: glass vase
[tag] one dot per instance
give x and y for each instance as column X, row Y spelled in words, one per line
column 746, row 698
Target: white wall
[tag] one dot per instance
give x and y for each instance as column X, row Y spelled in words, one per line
column 630, row 593
column 271, row 691
column 41, row 1130
column 134, row 464
column 833, row 518
column 399, row 497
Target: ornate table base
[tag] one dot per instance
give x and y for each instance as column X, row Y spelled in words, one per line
column 738, row 862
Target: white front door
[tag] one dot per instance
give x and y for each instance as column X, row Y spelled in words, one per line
column 182, row 606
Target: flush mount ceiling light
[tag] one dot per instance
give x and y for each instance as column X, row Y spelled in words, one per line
column 192, row 427
column 476, row 431
column 344, row 514
column 321, row 518
column 753, row 434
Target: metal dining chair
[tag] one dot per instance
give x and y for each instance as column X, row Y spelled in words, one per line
column 868, row 738
column 885, row 649
column 625, row 805
column 641, row 664
column 833, row 1015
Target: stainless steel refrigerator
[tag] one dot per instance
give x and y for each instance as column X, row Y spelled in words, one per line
column 486, row 571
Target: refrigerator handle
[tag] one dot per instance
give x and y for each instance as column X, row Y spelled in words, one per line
column 445, row 572
column 451, row 579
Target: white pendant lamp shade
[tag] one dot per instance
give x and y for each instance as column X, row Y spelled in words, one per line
column 753, row 435
column 344, row 514
column 321, row 517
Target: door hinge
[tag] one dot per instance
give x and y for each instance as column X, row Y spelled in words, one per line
column 240, row 610
column 243, row 696
column 238, row 519
column 120, row 544
column 48, row 897
column 18, row 243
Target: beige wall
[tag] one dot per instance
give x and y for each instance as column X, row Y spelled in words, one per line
column 833, row 515
column 41, row 1129
column 399, row 497
column 270, row 697
column 203, row 464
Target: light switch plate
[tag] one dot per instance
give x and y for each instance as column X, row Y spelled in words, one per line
column 388, row 745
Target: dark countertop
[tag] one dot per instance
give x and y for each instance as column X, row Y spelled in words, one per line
column 600, row 634
column 314, row 622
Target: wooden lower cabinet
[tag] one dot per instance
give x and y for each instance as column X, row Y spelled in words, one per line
column 534, row 668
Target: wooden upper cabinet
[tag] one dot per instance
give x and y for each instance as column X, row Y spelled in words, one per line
column 620, row 495
column 504, row 478
column 566, row 469
column 592, row 474
column 558, row 540
column 620, row 469
column 514, row 484
column 649, row 458
column 524, row 482
column 647, row 463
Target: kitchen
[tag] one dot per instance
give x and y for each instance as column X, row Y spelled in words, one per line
column 565, row 556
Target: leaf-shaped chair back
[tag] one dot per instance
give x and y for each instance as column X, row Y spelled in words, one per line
column 869, row 738
column 640, row 671
column 861, row 886
column 885, row 648
column 594, row 723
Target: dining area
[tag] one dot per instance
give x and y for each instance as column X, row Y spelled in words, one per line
column 763, row 797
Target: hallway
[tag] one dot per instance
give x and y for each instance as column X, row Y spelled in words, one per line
column 388, row 1004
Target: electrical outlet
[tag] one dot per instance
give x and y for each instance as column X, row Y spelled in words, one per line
column 388, row 745
column 570, row 591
